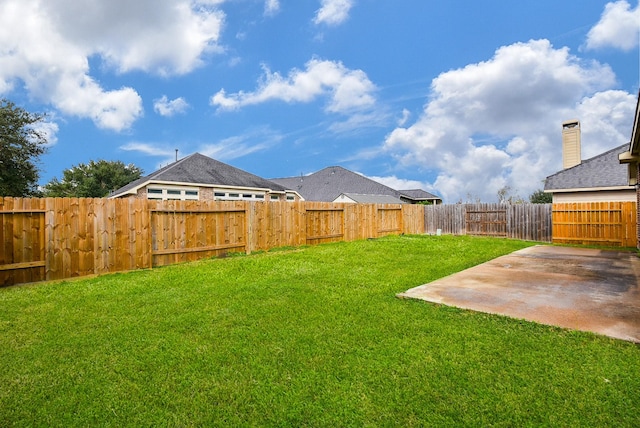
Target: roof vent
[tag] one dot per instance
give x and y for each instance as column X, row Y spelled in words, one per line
column 571, row 153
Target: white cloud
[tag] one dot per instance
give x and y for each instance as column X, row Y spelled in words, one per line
column 167, row 108
column 406, row 114
column 333, row 12
column 348, row 90
column 271, row 7
column 150, row 149
column 498, row 123
column 252, row 141
column 46, row 47
column 47, row 129
column 400, row 183
column 619, row 27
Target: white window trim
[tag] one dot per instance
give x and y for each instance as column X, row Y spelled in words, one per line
column 165, row 195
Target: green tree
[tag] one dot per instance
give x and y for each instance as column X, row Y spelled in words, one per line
column 92, row 180
column 21, row 144
column 540, row 197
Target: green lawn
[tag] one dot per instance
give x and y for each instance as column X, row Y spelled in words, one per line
column 300, row 337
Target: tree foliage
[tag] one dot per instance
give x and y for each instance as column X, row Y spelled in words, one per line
column 540, row 197
column 92, row 180
column 506, row 197
column 21, row 144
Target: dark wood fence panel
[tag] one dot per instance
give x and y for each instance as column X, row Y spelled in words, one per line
column 446, row 219
column 530, row 222
column 486, row 220
column 518, row 221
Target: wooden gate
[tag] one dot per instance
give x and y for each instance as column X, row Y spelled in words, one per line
column 486, row 222
column 389, row 220
column 324, row 225
column 181, row 236
column 22, row 246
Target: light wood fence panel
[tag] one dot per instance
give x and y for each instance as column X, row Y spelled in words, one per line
column 57, row 238
column 595, row 223
column 22, row 241
column 389, row 220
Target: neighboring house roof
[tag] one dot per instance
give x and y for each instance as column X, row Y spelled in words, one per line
column 371, row 199
column 328, row 184
column 419, row 195
column 198, row 169
column 600, row 172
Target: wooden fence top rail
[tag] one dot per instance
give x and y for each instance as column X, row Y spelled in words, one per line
column 24, row 212
column 170, row 211
column 604, row 210
column 486, row 211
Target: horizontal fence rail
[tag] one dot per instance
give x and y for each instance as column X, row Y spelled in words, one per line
column 58, row 238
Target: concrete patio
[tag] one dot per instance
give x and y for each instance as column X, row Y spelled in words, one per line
column 576, row 288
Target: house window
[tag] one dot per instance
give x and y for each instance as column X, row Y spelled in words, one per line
column 291, row 198
column 172, row 194
column 275, row 197
column 238, row 196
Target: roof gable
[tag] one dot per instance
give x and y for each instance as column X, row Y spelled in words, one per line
column 329, row 183
column 603, row 171
column 200, row 169
column 418, row 195
column 371, row 199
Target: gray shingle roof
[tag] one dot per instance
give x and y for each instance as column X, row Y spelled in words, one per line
column 329, row 183
column 418, row 195
column 603, row 170
column 200, row 169
column 373, row 199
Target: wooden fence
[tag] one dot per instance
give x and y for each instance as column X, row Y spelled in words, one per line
column 57, row 238
column 530, row 222
column 596, row 223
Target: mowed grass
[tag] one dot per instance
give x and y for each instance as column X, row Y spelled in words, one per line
column 300, row 337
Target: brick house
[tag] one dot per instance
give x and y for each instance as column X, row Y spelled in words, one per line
column 198, row 177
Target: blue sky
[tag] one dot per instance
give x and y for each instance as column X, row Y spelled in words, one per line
column 459, row 98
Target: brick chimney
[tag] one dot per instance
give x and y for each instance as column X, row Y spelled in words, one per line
column 571, row 154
